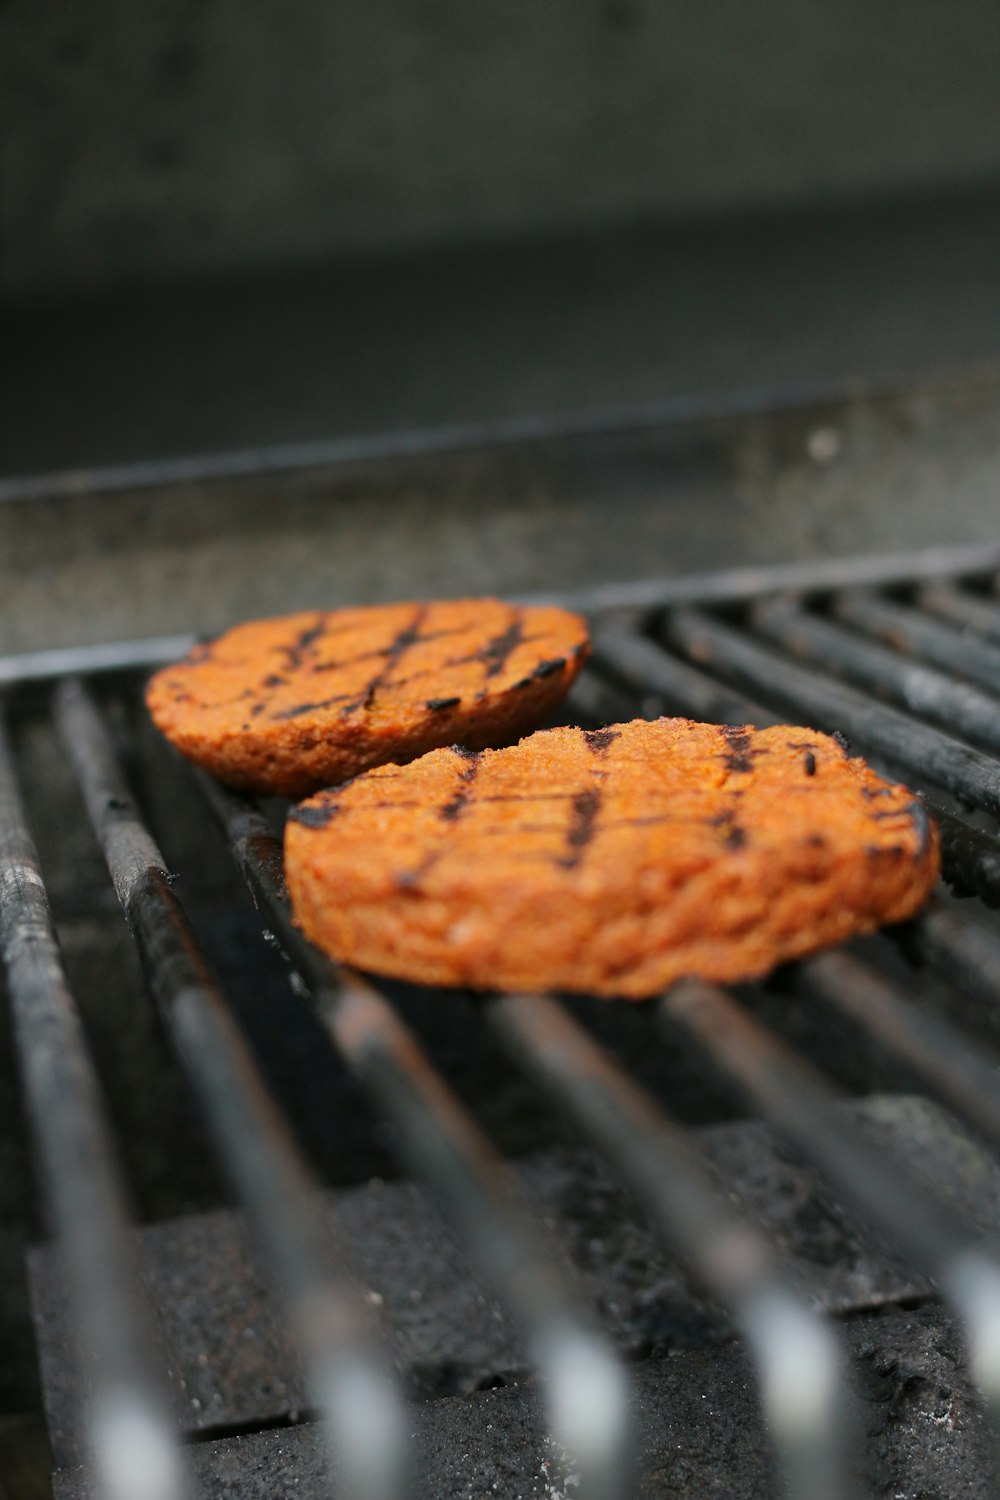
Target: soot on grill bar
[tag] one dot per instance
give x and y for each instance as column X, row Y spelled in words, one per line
column 317, row 1234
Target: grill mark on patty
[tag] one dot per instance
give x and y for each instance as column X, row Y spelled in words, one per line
column 383, row 651
column 738, row 756
column 527, row 797
column 307, row 708
column 582, row 827
column 398, row 647
column 305, row 638
column 498, row 651
column 495, row 653
column 598, row 740
column 410, row 880
column 314, row 817
column 452, row 810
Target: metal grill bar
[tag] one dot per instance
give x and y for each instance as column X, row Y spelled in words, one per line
column 348, row 1376
column 967, row 954
column 958, row 607
column 962, row 1076
column 439, row 1142
column 129, row 1431
column 908, row 630
column 795, row 1351
column 921, row 690
column 733, row 585
column 968, row 775
column 800, row 1103
column 114, row 656
column 970, row 857
column 647, row 668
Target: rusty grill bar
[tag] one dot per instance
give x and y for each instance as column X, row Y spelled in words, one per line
column 902, row 656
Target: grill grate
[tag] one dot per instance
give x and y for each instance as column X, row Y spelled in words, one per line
column 901, row 655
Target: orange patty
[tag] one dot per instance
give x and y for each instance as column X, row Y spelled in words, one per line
column 305, row 701
column 609, row 861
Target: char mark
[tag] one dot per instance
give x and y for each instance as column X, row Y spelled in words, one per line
column 498, row 651
column 305, row 638
column 453, row 809
column 394, row 653
column 810, row 761
column 738, row 756
column 436, row 703
column 314, row 816
column 598, row 740
column 843, row 742
column 307, row 708
column 386, row 651
column 409, row 880
column 582, row 827
column 548, row 668
column 275, row 679
column 736, row 838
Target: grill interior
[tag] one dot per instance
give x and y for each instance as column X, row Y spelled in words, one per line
column 599, row 1195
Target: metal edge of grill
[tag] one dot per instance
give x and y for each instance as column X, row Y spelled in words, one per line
column 902, row 655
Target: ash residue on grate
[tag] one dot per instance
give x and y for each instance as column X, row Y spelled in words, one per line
column 698, row 1432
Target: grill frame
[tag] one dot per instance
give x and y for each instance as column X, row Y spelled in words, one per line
column 631, row 637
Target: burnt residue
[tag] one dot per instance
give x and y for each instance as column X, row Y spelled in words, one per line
column 522, row 682
column 438, row 703
column 548, row 668
column 736, row 838
column 274, row 679
column 599, row 740
column 810, row 763
column 314, row 815
column 582, row 826
column 843, row 742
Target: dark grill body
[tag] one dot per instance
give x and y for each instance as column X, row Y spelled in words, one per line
column 588, row 1241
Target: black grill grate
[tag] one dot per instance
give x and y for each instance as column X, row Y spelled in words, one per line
column 903, row 656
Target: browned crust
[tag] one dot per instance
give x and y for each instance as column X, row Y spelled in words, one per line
column 611, row 862
column 305, row 701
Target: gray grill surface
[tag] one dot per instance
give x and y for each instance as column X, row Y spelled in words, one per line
column 659, row 1296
